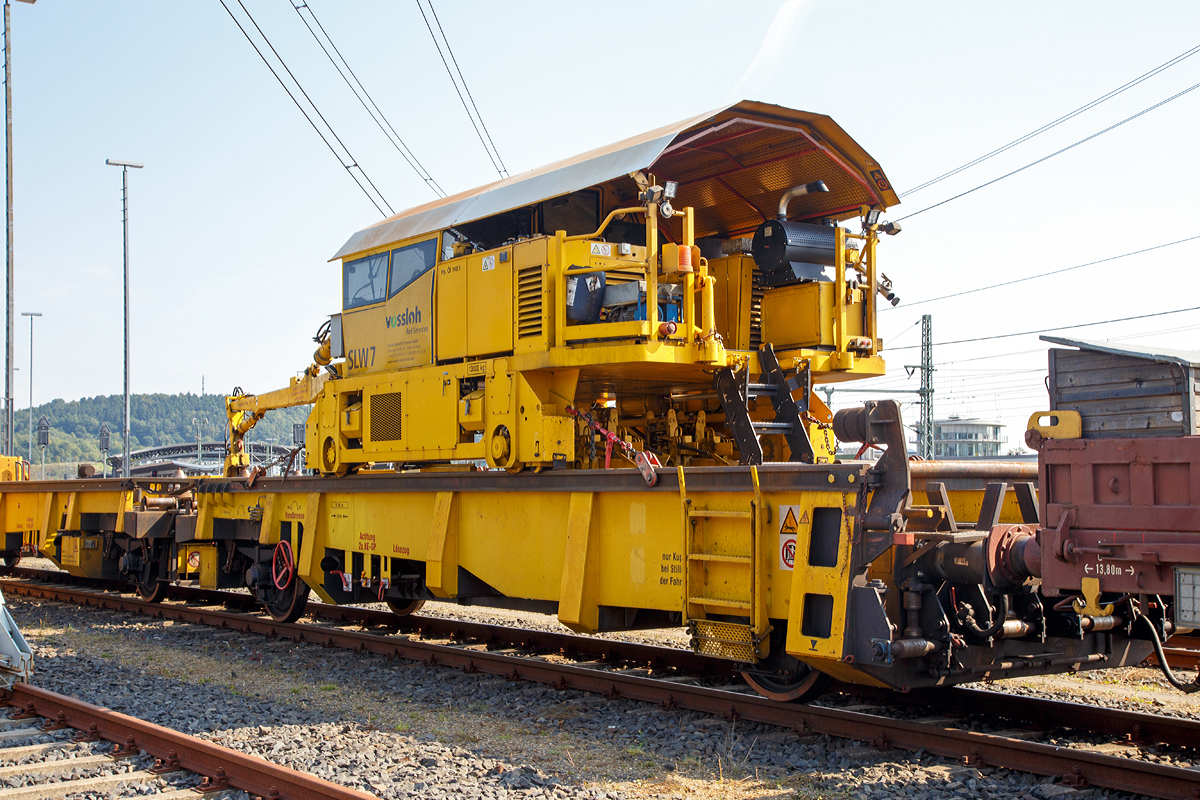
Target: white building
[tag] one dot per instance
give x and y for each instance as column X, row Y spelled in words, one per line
column 956, row 437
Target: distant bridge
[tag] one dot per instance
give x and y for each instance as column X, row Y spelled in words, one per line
column 171, row 457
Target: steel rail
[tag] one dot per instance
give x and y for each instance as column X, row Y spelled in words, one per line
column 992, row 470
column 573, row 645
column 1179, row 657
column 174, row 749
column 773, row 477
column 1077, row 767
column 1033, row 711
column 1038, row 712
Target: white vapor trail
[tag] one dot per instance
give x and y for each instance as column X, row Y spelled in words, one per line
column 781, row 35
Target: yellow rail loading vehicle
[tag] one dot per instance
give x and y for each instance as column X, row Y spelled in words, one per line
column 588, row 391
column 493, row 325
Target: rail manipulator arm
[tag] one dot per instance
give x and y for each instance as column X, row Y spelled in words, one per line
column 245, row 410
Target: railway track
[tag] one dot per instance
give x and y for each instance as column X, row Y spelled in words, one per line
column 1184, row 653
column 55, row 747
column 661, row 676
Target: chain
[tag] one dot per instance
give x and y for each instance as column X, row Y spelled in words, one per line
column 625, row 447
column 587, row 418
column 825, row 427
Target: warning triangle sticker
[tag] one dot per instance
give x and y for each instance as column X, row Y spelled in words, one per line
column 804, row 518
column 789, row 523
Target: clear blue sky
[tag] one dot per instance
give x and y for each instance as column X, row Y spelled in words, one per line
column 240, row 204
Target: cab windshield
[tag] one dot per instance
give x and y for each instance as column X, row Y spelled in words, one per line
column 364, row 281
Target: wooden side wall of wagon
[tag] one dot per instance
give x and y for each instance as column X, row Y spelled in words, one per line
column 1125, row 391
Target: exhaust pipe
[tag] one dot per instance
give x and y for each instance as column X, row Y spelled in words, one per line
column 797, row 191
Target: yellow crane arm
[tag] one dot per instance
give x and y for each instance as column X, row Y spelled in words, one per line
column 244, row 411
column 300, row 392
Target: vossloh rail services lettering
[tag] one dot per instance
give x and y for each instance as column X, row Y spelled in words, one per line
column 411, row 316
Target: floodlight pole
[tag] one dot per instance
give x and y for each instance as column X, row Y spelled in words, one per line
column 10, row 413
column 31, row 315
column 125, row 166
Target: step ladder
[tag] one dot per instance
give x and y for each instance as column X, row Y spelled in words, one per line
column 735, row 389
column 741, row 590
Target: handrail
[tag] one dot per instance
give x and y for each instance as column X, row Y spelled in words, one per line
column 650, row 269
column 872, row 293
column 839, row 282
column 615, row 212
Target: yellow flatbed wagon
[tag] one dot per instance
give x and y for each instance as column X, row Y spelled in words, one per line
column 715, row 548
column 588, row 391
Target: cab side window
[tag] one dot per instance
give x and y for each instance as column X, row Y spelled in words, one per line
column 364, row 281
column 410, row 263
column 576, row 213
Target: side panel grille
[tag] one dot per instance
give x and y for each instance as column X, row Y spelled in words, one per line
column 529, row 302
column 756, row 298
column 386, row 417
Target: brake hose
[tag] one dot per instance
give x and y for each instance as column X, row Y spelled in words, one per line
column 1186, row 688
column 966, row 617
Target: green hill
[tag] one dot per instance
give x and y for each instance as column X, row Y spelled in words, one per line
column 155, row 420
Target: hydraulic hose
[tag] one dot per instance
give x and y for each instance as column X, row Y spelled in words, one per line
column 1186, row 688
column 966, row 617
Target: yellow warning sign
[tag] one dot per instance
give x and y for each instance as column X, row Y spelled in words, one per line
column 804, row 518
column 788, row 531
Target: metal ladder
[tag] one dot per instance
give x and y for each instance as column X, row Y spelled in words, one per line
column 735, row 392
column 734, row 641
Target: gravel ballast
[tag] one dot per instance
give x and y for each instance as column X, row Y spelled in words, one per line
column 401, row 729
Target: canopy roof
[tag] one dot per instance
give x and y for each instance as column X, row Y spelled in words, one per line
column 732, row 165
column 1185, row 358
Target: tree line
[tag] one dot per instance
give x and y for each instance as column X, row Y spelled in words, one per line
column 155, row 420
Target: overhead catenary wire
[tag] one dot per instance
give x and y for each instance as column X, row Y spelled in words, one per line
column 905, row 331
column 353, row 162
column 998, row 387
column 364, row 97
column 984, row 381
column 348, row 167
column 1112, row 127
column 897, row 379
column 988, row 357
column 480, row 128
column 1045, row 274
column 1058, row 328
column 1159, row 332
column 1057, row 122
column 467, row 89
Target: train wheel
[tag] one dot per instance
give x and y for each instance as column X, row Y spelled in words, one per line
column 289, row 603
column 153, row 591
column 402, row 608
column 12, row 561
column 792, row 680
